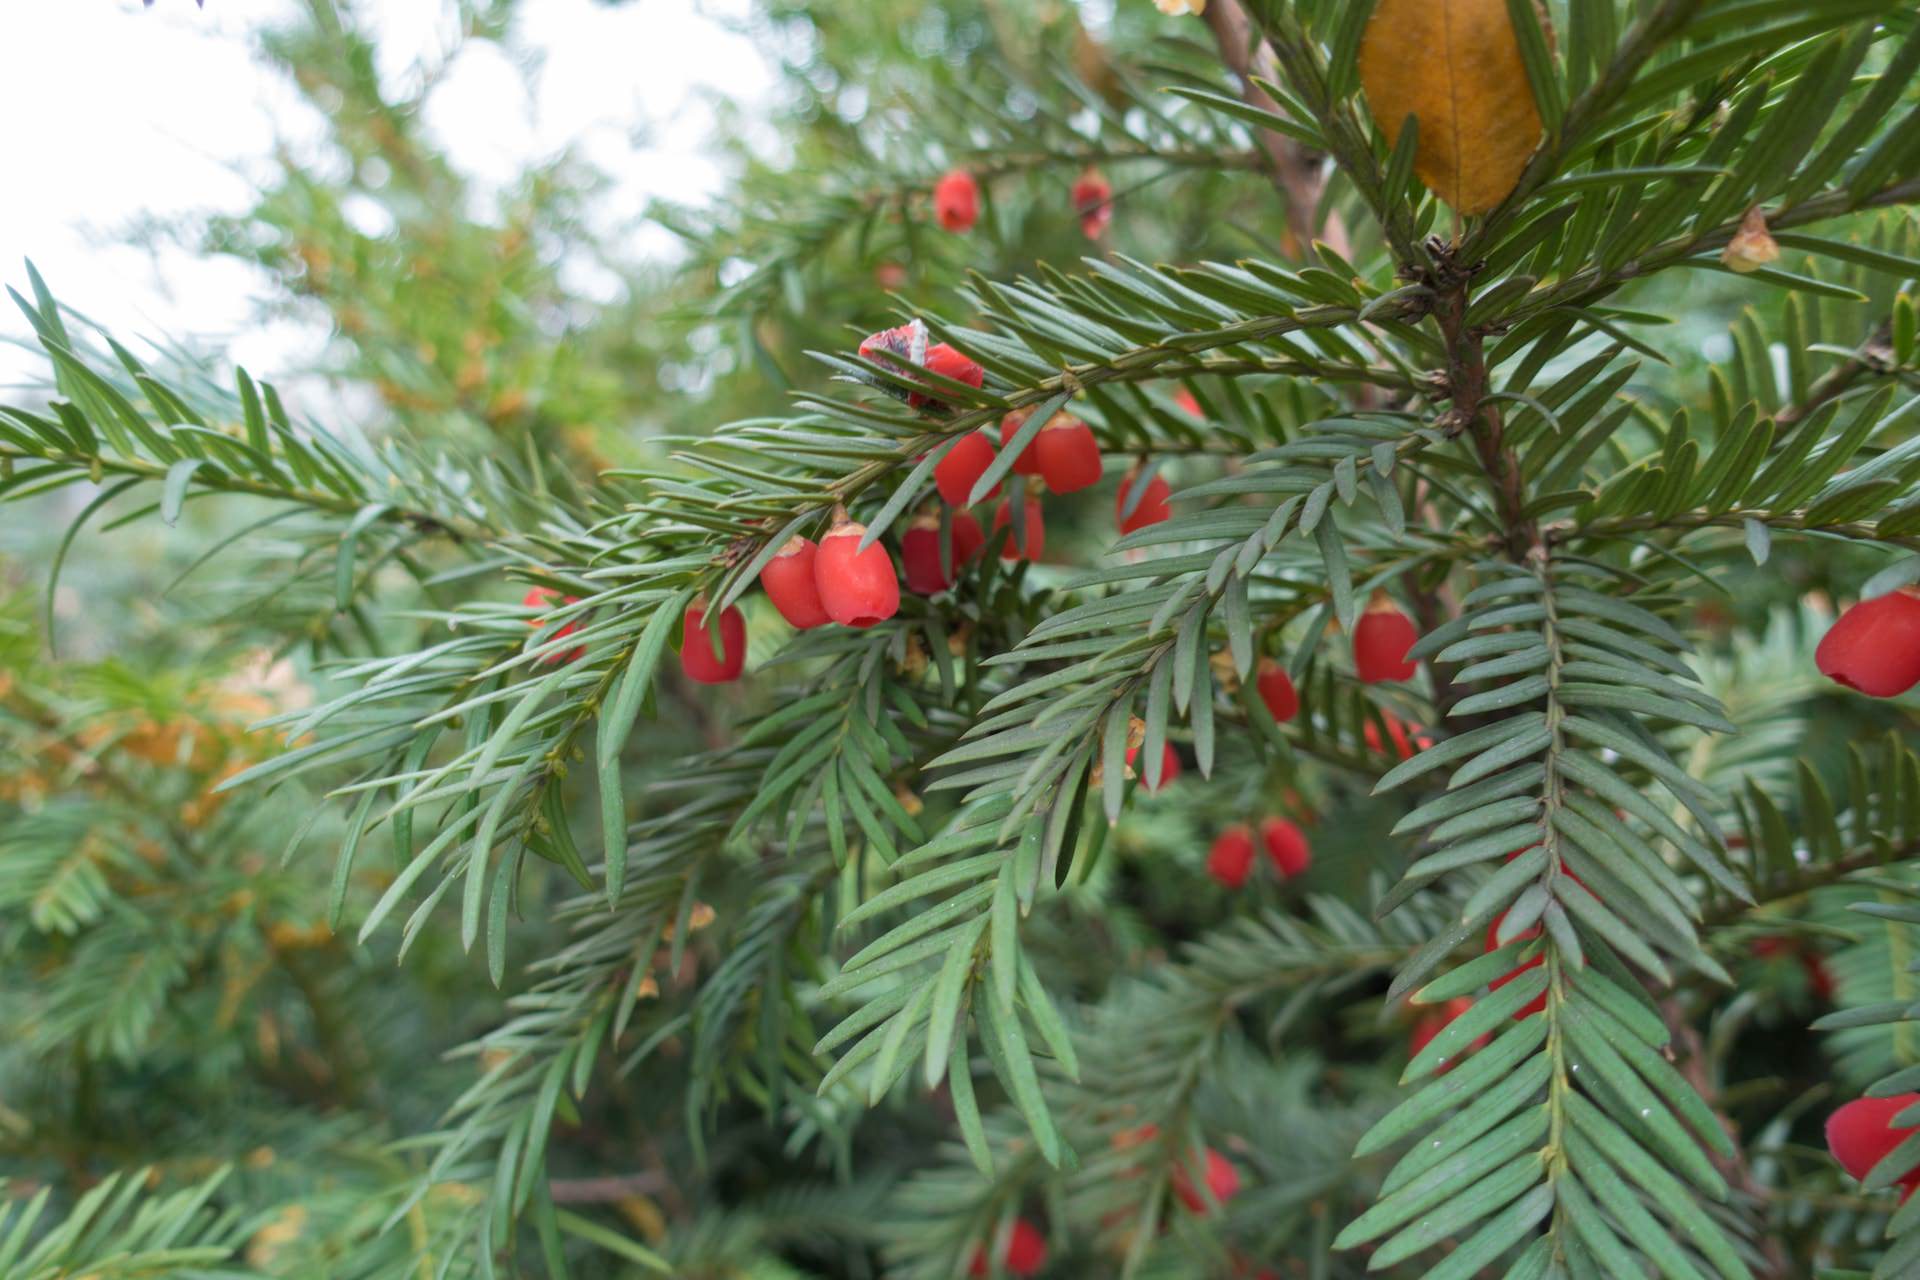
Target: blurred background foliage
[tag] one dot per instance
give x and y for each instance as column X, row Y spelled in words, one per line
column 171, row 997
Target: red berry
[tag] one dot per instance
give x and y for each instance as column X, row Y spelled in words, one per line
column 1230, row 860
column 1093, row 202
column 1068, row 454
column 1398, row 732
column 1277, row 691
column 1025, row 1254
column 1539, row 1002
column 534, row 599
column 948, row 363
column 1185, row 399
column 1151, row 509
column 920, row 551
column 956, row 201
column 1875, row 646
column 1035, row 531
column 697, row 658
column 1286, row 846
column 1380, row 641
column 957, row 473
column 858, row 588
column 1861, row 1133
column 788, row 581
column 1028, row 463
column 1433, row 1021
column 1223, row 1183
column 1169, row 766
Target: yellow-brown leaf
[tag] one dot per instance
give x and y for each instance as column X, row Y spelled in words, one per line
column 1453, row 65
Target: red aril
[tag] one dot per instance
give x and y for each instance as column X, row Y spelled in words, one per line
column 1380, row 641
column 1223, row 1183
column 1230, row 860
column 788, row 580
column 1169, row 766
column 1093, row 202
column 956, row 201
column 1277, row 691
column 1875, row 646
column 920, row 551
column 1028, row 462
column 858, row 588
column 1151, row 509
column 957, row 473
column 1286, row 847
column 1861, row 1134
column 1068, row 455
column 1033, row 535
column 1025, row 1254
column 697, row 656
column 537, row 597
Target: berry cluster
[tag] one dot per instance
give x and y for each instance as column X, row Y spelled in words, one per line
column 956, row 202
column 1231, row 859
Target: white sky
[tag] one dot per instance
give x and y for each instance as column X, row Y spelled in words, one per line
column 113, row 111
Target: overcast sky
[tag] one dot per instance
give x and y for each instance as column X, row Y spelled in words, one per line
column 115, row 111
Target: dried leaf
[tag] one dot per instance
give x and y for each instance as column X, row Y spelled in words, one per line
column 1454, row 65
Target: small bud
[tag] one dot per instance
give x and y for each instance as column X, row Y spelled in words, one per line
column 1752, row 246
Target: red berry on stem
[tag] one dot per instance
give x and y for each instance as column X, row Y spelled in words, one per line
column 858, row 588
column 1230, row 860
column 534, row 599
column 957, row 473
column 1276, row 690
column 1025, row 1254
column 956, row 201
column 1068, row 455
column 1861, row 1134
column 1223, row 1183
column 1286, row 847
column 1380, row 641
column 1034, row 534
column 893, row 349
column 1028, row 462
column 1093, row 202
column 1875, row 646
column 697, row 657
column 788, row 580
column 920, row 551
column 1151, row 509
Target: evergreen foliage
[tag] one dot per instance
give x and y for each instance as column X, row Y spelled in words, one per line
column 841, row 970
